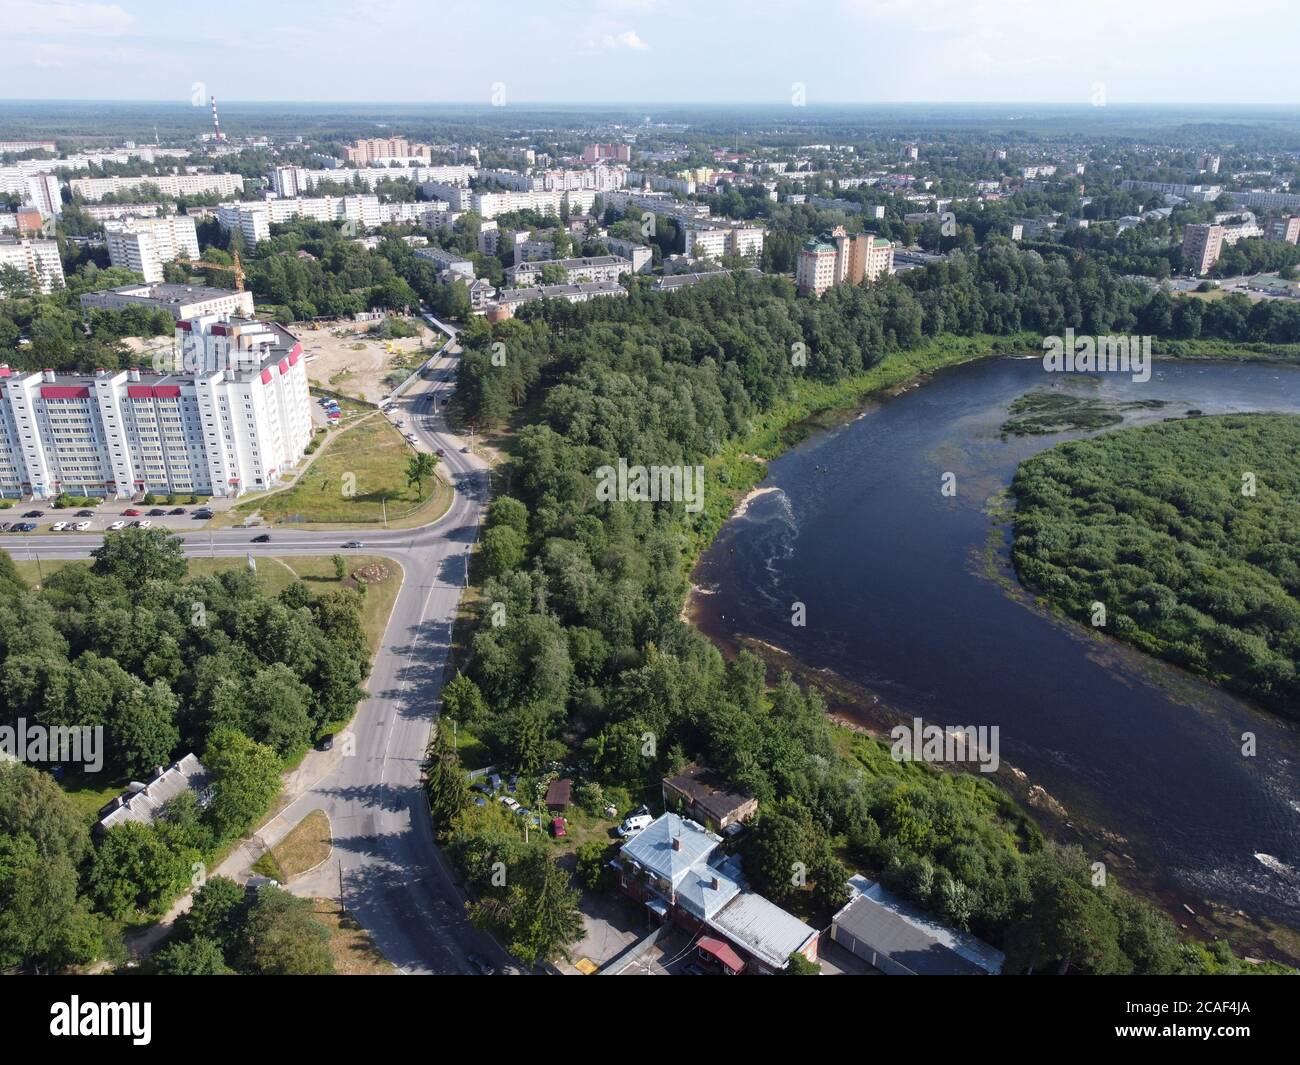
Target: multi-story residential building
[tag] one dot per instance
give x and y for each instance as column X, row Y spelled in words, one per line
column 43, row 194
column 594, row 153
column 509, row 299
column 706, row 242
column 1269, row 201
column 182, row 302
column 639, row 255
column 447, row 260
column 254, row 218
column 233, row 415
column 1287, row 229
column 94, row 189
column 489, row 237
column 145, row 244
column 111, row 212
column 543, row 201
column 1202, row 245
column 28, row 146
column 1208, row 164
column 592, row 268
column 38, row 259
column 815, row 268
column 1198, row 193
column 365, row 152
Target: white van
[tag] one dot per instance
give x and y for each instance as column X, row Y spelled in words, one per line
column 632, row 825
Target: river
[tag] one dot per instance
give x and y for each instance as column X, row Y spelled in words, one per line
column 908, row 594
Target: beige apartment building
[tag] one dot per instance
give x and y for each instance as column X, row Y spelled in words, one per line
column 1202, row 245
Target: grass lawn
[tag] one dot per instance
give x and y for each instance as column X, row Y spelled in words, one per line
column 358, row 472
column 276, row 574
column 305, row 847
column 355, row 953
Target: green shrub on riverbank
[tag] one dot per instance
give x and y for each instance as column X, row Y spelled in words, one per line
column 1188, row 533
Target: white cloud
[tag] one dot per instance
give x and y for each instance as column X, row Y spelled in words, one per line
column 627, row 39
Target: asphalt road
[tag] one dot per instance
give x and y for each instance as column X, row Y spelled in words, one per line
column 393, row 877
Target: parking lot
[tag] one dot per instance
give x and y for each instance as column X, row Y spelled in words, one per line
column 108, row 515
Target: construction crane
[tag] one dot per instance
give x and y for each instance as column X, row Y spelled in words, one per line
column 236, row 268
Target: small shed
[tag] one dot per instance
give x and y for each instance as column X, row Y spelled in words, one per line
column 559, row 794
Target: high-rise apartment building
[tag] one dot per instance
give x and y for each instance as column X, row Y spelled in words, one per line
column 38, row 259
column 1202, row 245
column 145, row 244
column 230, row 415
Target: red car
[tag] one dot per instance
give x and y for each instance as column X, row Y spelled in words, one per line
column 131, row 513
column 557, row 827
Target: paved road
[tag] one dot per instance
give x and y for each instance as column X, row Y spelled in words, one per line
column 394, row 879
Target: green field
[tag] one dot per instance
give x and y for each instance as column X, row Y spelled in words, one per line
column 359, row 475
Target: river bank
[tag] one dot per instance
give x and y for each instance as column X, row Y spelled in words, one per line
column 872, row 708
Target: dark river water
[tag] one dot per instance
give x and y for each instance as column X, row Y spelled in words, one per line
column 904, row 598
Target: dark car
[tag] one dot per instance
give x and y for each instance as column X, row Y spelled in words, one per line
column 202, row 513
column 177, row 510
column 33, row 514
column 265, row 538
column 440, row 453
column 157, row 512
column 695, row 969
column 484, row 967
column 85, row 513
column 326, row 743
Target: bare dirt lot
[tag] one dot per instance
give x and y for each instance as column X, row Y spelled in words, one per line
column 344, row 357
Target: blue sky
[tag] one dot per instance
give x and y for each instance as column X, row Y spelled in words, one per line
column 614, row 51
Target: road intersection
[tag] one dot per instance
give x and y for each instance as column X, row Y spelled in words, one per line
column 385, row 863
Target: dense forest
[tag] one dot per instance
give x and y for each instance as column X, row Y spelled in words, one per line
column 1188, row 533
column 581, row 651
column 165, row 667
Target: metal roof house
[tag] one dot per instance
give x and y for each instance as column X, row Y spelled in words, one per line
column 676, row 868
column 143, row 802
column 900, row 940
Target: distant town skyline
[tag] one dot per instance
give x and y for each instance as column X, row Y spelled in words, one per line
column 631, row 51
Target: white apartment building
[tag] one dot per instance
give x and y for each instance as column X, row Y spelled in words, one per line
column 39, row 259
column 233, row 420
column 710, row 242
column 111, row 212
column 182, row 302
column 145, row 244
column 170, row 185
column 304, row 180
column 43, row 194
column 254, row 218
column 639, row 255
column 716, row 239
column 544, row 201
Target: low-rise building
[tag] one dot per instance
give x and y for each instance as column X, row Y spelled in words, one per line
column 508, row 300
column 705, row 795
column 677, row 868
column 576, row 271
column 900, row 940
column 142, row 803
column 182, row 302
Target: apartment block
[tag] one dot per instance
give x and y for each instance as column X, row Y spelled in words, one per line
column 182, row 302
column 365, row 152
column 254, row 218
column 232, row 417
column 95, row 189
column 1287, row 229
column 590, row 269
column 38, row 259
column 145, row 244
column 1202, row 245
column 619, row 153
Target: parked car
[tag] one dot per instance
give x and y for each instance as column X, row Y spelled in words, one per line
column 58, row 526
column 557, row 827
column 510, row 804
column 130, row 512
column 33, row 514
column 465, row 450
column 632, row 825
column 695, row 969
column 82, row 526
column 440, row 453
column 157, row 512
column 354, row 543
column 144, row 523
column 4, row 526
column 265, row 538
column 326, row 743
column 117, row 525
column 85, row 513
column 202, row 512
column 512, row 785
column 177, row 510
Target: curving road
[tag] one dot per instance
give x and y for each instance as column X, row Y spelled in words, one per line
column 392, row 876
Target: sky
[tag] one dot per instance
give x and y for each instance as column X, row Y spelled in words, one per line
column 662, row 51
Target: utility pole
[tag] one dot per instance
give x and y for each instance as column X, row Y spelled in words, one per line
column 383, row 502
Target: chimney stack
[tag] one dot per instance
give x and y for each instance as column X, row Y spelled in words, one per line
column 47, row 375
column 677, row 843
